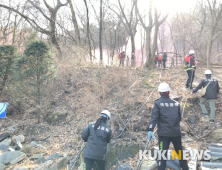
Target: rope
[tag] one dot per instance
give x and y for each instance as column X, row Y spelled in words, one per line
column 118, row 137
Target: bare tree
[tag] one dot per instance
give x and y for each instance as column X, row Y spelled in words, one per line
column 33, row 19
column 215, row 17
column 74, row 20
column 100, row 31
column 88, row 31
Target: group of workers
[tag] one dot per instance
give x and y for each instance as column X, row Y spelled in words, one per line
column 166, row 115
column 122, row 57
column 161, row 60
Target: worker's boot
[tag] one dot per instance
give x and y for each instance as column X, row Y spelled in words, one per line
column 212, row 124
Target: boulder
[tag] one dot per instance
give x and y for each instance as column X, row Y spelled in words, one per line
column 26, row 149
column 3, row 147
column 60, row 164
column 6, row 142
column 19, row 146
column 2, row 166
column 4, row 136
column 41, row 146
column 215, row 135
column 19, row 138
column 20, row 168
column 33, row 143
column 148, row 165
column 37, row 156
column 81, row 166
column 41, row 160
column 11, row 157
column 121, row 152
column 45, row 165
column 53, row 156
column 13, row 128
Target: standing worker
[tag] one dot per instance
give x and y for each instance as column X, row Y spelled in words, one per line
column 159, row 61
column 133, row 60
column 172, row 62
column 190, row 66
column 97, row 135
column 166, row 114
column 164, row 59
column 212, row 91
column 122, row 58
column 155, row 59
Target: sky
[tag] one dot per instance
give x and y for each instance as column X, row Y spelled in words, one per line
column 170, row 6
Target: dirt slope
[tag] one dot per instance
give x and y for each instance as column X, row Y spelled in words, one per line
column 81, row 93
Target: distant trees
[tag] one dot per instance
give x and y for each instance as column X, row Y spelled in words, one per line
column 66, row 24
column 151, row 49
column 200, row 29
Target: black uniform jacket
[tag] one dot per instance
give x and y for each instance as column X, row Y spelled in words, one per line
column 166, row 114
column 97, row 140
column 212, row 89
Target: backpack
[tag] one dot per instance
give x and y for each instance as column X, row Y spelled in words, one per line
column 185, row 62
column 120, row 55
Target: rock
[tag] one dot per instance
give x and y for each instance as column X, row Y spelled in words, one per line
column 11, row 149
column 6, row 142
column 18, row 146
column 121, row 152
column 124, row 167
column 4, row 136
column 81, row 166
column 33, row 143
column 3, row 147
column 53, row 156
column 26, row 149
column 215, row 135
column 20, row 168
column 45, row 165
column 41, row 160
column 40, row 146
column 148, row 165
column 13, row 128
column 184, row 126
column 37, row 156
column 11, row 157
column 2, row 166
column 19, row 138
column 60, row 164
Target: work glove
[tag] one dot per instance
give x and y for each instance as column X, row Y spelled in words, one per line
column 151, row 135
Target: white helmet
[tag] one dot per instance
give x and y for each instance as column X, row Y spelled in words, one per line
column 107, row 113
column 191, row 52
column 208, row 72
column 163, row 87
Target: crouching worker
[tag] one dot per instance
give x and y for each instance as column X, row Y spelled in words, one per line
column 97, row 135
column 166, row 114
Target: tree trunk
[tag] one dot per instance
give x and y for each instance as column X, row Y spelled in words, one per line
column 100, row 32
column 148, row 49
column 77, row 34
column 88, row 31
